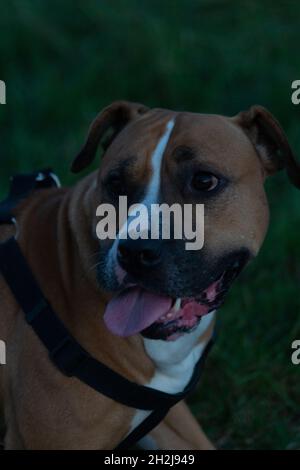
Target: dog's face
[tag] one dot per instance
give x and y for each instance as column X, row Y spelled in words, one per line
column 159, row 287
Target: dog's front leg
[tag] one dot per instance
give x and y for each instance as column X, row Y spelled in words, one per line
column 178, row 431
column 12, row 438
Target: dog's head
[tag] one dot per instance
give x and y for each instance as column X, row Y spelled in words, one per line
column 157, row 156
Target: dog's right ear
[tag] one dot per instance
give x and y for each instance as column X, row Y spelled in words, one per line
column 114, row 117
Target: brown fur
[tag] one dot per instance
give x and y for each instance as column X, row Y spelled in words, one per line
column 43, row 408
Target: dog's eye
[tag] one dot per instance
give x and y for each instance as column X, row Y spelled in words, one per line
column 115, row 183
column 203, row 181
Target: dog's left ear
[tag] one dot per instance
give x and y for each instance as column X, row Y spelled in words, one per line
column 269, row 141
column 115, row 117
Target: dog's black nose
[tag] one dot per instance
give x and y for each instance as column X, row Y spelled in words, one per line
column 136, row 254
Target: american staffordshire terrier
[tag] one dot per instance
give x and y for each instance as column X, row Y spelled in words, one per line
column 145, row 308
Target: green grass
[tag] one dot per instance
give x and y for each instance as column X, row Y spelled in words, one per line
column 63, row 61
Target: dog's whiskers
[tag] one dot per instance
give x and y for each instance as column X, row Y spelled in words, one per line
column 94, row 266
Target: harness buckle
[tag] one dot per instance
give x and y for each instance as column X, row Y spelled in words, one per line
column 47, row 178
column 67, row 356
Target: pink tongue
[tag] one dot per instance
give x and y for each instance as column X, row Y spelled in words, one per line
column 134, row 310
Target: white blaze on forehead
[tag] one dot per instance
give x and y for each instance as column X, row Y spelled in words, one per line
column 156, row 161
column 152, row 191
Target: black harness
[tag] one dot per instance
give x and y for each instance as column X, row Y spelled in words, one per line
column 64, row 351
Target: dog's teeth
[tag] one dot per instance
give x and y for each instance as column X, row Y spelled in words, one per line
column 177, row 304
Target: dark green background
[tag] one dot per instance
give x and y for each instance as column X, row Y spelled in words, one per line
column 62, row 61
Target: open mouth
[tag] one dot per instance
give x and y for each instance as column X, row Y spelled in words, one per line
column 136, row 310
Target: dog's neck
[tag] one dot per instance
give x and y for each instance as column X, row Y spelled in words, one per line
column 168, row 354
column 175, row 360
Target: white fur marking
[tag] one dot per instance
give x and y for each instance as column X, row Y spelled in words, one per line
column 174, row 361
column 156, row 161
column 153, row 188
column 148, row 443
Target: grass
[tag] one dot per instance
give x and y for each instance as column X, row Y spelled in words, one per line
column 62, row 62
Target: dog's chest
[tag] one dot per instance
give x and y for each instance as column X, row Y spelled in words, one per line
column 174, row 362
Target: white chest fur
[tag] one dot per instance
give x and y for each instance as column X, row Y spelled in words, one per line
column 174, row 362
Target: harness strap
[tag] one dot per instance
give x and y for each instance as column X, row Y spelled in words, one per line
column 143, row 429
column 73, row 360
column 64, row 350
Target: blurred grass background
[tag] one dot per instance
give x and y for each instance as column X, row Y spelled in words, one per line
column 62, row 61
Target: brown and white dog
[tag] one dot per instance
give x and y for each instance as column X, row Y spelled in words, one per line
column 161, row 289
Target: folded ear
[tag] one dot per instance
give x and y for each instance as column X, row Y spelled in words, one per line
column 114, row 117
column 270, row 142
